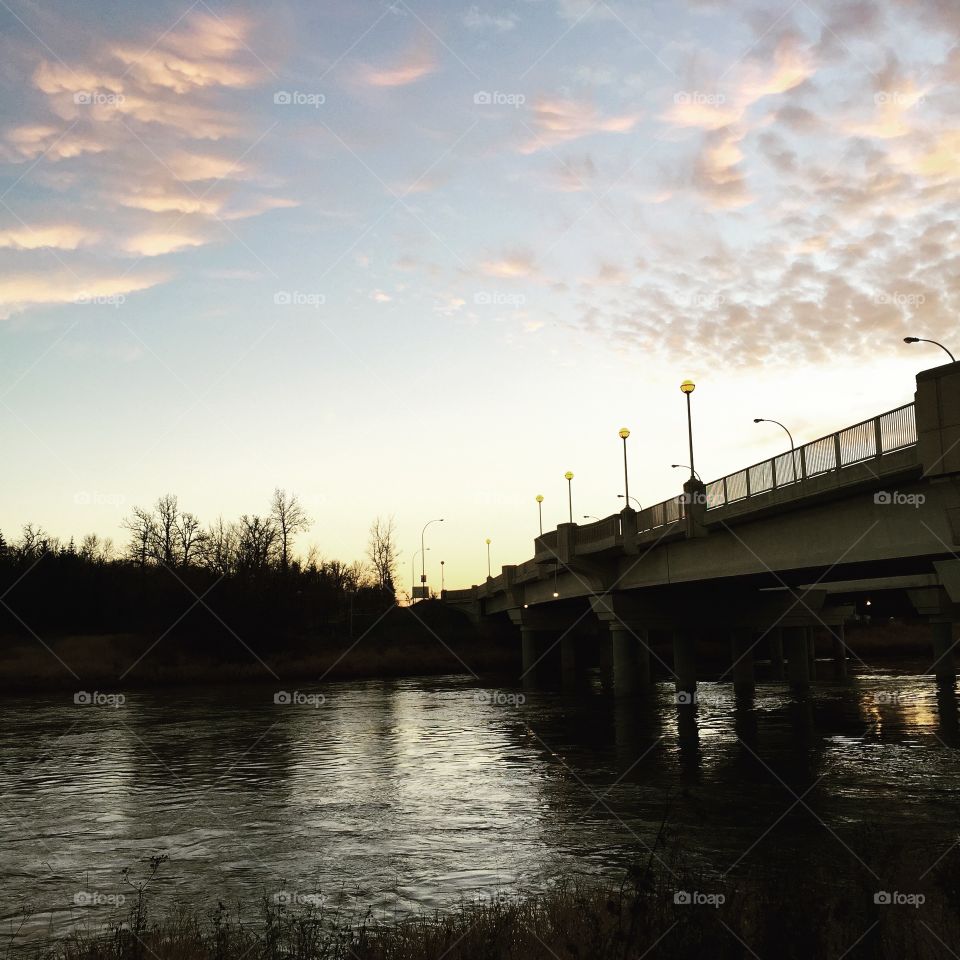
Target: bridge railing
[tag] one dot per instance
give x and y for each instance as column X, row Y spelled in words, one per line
column 601, row 530
column 887, row 433
column 547, row 542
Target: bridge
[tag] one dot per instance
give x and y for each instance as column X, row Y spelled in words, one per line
column 763, row 561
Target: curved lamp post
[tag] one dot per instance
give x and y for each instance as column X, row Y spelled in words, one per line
column 624, row 433
column 589, row 516
column 423, row 551
column 488, row 558
column 413, row 572
column 935, row 342
column 686, row 466
column 634, row 499
column 568, row 476
column 540, row 511
column 442, row 582
column 793, row 449
column 686, row 388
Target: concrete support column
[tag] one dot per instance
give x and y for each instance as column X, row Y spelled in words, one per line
column 775, row 639
column 631, row 659
column 741, row 651
column 944, row 662
column 798, row 657
column 569, row 662
column 839, row 649
column 685, row 661
column 812, row 651
column 532, row 665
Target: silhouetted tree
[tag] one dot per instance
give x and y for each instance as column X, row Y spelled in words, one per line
column 142, row 527
column 382, row 552
column 257, row 543
column 290, row 519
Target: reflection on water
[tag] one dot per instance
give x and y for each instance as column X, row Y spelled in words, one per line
column 409, row 794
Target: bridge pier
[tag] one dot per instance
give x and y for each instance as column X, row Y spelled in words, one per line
column 741, row 650
column 630, row 646
column 685, row 662
column 838, row 643
column 944, row 661
column 812, row 651
column 570, row 673
column 795, row 642
column 775, row 640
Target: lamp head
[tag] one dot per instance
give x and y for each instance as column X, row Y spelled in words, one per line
column 624, row 433
column 911, row 339
column 758, row 420
column 488, row 541
column 568, row 475
column 688, row 386
column 539, row 498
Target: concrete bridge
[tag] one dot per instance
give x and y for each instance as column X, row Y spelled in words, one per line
column 764, row 558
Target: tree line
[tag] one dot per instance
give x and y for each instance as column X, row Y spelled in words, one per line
column 197, row 580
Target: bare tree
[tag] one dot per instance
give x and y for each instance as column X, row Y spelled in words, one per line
column 257, row 543
column 218, row 549
column 382, row 552
column 142, row 527
column 166, row 547
column 290, row 518
column 189, row 536
column 34, row 541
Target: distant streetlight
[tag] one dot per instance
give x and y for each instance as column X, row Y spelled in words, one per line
column 588, row 516
column 442, row 562
column 413, row 574
column 686, row 388
column 685, row 466
column 488, row 557
column 423, row 551
column 624, row 433
column 937, row 343
column 540, row 511
column 620, row 496
column 568, row 476
column 793, row 449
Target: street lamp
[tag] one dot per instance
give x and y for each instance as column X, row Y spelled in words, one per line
column 488, row 557
column 685, row 466
column 540, row 511
column 634, row 499
column 686, row 388
column 588, row 516
column 568, row 476
column 793, row 449
column 624, row 433
column 442, row 586
column 423, row 551
column 413, row 574
column 940, row 345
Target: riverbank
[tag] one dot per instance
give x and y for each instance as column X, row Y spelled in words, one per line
column 827, row 909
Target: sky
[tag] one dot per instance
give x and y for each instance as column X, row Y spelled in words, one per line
column 421, row 258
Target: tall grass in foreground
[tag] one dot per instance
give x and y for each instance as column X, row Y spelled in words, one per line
column 824, row 907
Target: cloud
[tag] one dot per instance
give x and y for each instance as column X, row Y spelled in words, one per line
column 474, row 19
column 417, row 63
column 62, row 236
column 512, row 265
column 18, row 291
column 378, row 296
column 156, row 242
column 718, row 173
column 560, row 121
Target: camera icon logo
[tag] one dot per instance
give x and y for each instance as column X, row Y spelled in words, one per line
column 682, row 898
column 882, row 897
column 882, row 497
column 282, row 697
column 82, row 698
column 83, row 96
column 282, row 97
column 685, row 698
column 282, row 298
column 482, row 98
